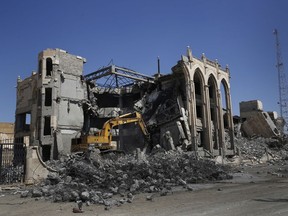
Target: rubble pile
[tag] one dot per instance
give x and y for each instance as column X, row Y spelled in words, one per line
column 96, row 180
column 257, row 148
column 11, row 173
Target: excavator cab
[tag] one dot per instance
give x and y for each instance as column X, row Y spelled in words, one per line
column 103, row 138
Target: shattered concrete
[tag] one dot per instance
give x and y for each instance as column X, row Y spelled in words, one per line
column 116, row 179
column 256, row 122
column 262, row 150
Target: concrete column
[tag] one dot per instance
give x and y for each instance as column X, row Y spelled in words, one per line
column 192, row 114
column 230, row 118
column 220, row 126
column 191, row 101
column 207, row 119
column 36, row 170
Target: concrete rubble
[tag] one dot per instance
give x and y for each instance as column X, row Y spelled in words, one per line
column 115, row 179
column 261, row 150
column 256, row 122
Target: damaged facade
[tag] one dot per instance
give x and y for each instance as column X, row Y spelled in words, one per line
column 189, row 108
column 49, row 109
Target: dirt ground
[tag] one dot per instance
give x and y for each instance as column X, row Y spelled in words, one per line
column 254, row 190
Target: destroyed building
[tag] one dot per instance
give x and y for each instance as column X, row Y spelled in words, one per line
column 48, row 108
column 189, row 107
column 257, row 122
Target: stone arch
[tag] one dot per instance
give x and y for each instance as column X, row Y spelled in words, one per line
column 224, row 101
column 228, row 130
column 214, row 117
column 199, row 83
column 199, row 92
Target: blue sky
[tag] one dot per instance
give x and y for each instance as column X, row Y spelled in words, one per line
column 134, row 32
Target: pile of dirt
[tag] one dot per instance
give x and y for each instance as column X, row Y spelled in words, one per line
column 95, row 179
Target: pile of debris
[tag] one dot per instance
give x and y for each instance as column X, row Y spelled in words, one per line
column 92, row 178
column 260, row 150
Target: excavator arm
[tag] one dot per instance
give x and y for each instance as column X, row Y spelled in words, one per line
column 104, row 139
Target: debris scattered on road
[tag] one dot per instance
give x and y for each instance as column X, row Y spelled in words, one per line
column 95, row 181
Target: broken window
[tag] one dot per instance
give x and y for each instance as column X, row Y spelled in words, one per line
column 48, row 96
column 47, row 125
column 49, row 67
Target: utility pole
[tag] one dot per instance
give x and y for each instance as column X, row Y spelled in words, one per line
column 283, row 102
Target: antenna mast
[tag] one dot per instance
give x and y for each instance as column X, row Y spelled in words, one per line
column 281, row 82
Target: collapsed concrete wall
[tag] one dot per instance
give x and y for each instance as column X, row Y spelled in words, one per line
column 189, row 107
column 183, row 108
column 256, row 122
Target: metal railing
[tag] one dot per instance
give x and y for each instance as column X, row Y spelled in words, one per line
column 12, row 162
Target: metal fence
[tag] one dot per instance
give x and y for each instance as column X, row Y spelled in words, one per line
column 12, row 162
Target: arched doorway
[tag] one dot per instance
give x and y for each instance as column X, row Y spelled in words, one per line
column 226, row 114
column 213, row 111
column 199, row 107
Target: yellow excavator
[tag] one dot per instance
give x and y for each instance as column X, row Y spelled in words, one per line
column 103, row 139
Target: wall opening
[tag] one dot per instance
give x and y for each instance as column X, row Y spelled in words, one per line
column 223, row 95
column 49, row 67
column 27, row 120
column 198, row 84
column 200, row 139
column 23, row 122
column 224, row 98
column 47, row 125
column 213, row 110
column 46, row 152
column 199, row 111
column 197, row 87
column 48, row 96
